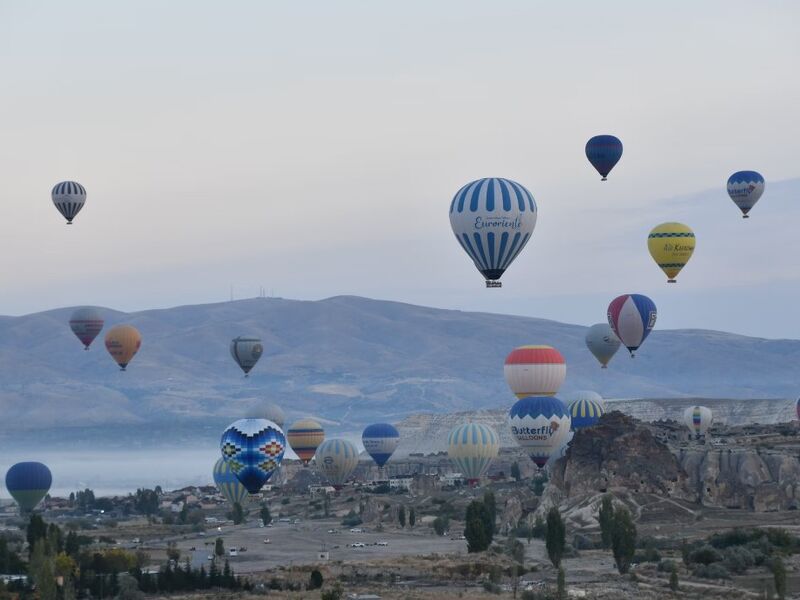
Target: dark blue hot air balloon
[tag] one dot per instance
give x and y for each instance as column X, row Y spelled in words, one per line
column 380, row 441
column 253, row 448
column 604, row 151
column 28, row 483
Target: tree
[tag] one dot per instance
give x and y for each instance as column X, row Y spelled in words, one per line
column 440, row 525
column 237, row 514
column 412, row 518
column 561, row 583
column 623, row 539
column 401, row 516
column 315, row 580
column 334, row 593
column 491, row 511
column 515, row 473
column 326, row 505
column 41, row 569
column 219, row 547
column 266, row 517
column 477, row 529
column 173, row 552
column 779, row 575
column 673, row 578
column 37, row 530
column 72, row 545
column 605, row 517
column 128, row 588
column 555, row 536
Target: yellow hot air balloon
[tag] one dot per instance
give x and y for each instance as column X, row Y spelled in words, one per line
column 671, row 245
column 122, row 343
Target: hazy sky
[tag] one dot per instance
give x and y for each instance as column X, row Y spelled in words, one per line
column 313, row 148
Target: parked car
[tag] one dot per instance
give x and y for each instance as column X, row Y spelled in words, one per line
column 358, row 545
column 382, row 543
column 267, row 541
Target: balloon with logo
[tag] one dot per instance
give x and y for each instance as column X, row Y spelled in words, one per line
column 304, row 437
column 69, row 198
column 472, row 448
column 228, row 484
column 122, row 343
column 632, row 317
column 28, row 483
column 540, row 424
column 698, row 419
column 246, row 350
column 493, row 218
column 86, row 324
column 671, row 245
column 253, row 449
column 535, row 371
column 745, row 188
column 380, row 441
column 604, row 151
column 336, row 459
column 602, row 342
column 585, row 413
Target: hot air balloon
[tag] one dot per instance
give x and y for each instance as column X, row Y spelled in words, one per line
column 304, row 437
column 797, row 408
column 671, row 245
column 472, row 448
column 604, row 151
column 535, row 371
column 69, row 198
column 86, row 323
column 336, row 459
column 632, row 317
column 698, row 419
column 602, row 342
column 228, row 485
column 122, row 343
column 585, row 395
column 585, row 413
column 380, row 441
column 253, row 448
column 745, row 188
column 274, row 413
column 540, row 424
column 493, row 219
column 28, row 483
column 246, row 350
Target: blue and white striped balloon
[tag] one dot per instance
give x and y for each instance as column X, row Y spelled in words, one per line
column 493, row 219
column 69, row 198
column 380, row 441
column 472, row 448
column 745, row 188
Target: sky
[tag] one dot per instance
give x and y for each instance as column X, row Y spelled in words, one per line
column 313, row 148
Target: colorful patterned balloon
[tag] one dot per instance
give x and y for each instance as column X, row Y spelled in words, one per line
column 745, row 188
column 541, row 425
column 632, row 317
column 535, row 371
column 472, row 448
column 671, row 245
column 585, row 413
column 253, row 448
column 698, row 419
column 304, row 437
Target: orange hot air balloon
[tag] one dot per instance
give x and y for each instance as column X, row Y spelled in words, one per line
column 122, row 343
column 304, row 437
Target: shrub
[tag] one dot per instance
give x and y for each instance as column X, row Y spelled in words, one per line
column 666, row 565
column 738, row 559
column 705, row 555
column 712, row 571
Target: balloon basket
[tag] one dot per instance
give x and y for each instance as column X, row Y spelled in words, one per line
column 493, row 284
column 604, row 179
column 672, row 280
column 604, row 367
column 745, row 216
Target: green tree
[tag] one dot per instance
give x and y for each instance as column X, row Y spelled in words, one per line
column 72, row 545
column 440, row 525
column 605, row 517
column 673, row 578
column 37, row 530
column 515, row 473
column 266, row 517
column 555, row 536
column 315, row 580
column 491, row 511
column 562, row 584
column 237, row 514
column 334, row 593
column 41, row 568
column 401, row 516
column 779, row 576
column 412, row 517
column 128, row 588
column 477, row 530
column 623, row 539
column 219, row 547
column 173, row 552
column 326, row 505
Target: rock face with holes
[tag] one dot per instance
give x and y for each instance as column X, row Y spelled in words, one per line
column 752, row 468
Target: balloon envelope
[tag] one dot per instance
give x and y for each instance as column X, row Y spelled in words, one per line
column 585, row 413
column 86, row 324
column 28, row 483
column 228, row 484
column 540, row 424
column 535, row 371
column 632, row 317
column 671, row 245
column 584, row 395
column 253, row 448
column 493, row 219
column 698, row 419
column 380, row 441
column 69, row 198
column 274, row 413
column 336, row 460
column 304, row 437
column 472, row 448
column 602, row 342
column 745, row 188
column 246, row 350
column 122, row 343
column 604, row 151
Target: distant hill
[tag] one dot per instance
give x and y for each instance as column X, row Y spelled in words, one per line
column 347, row 360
